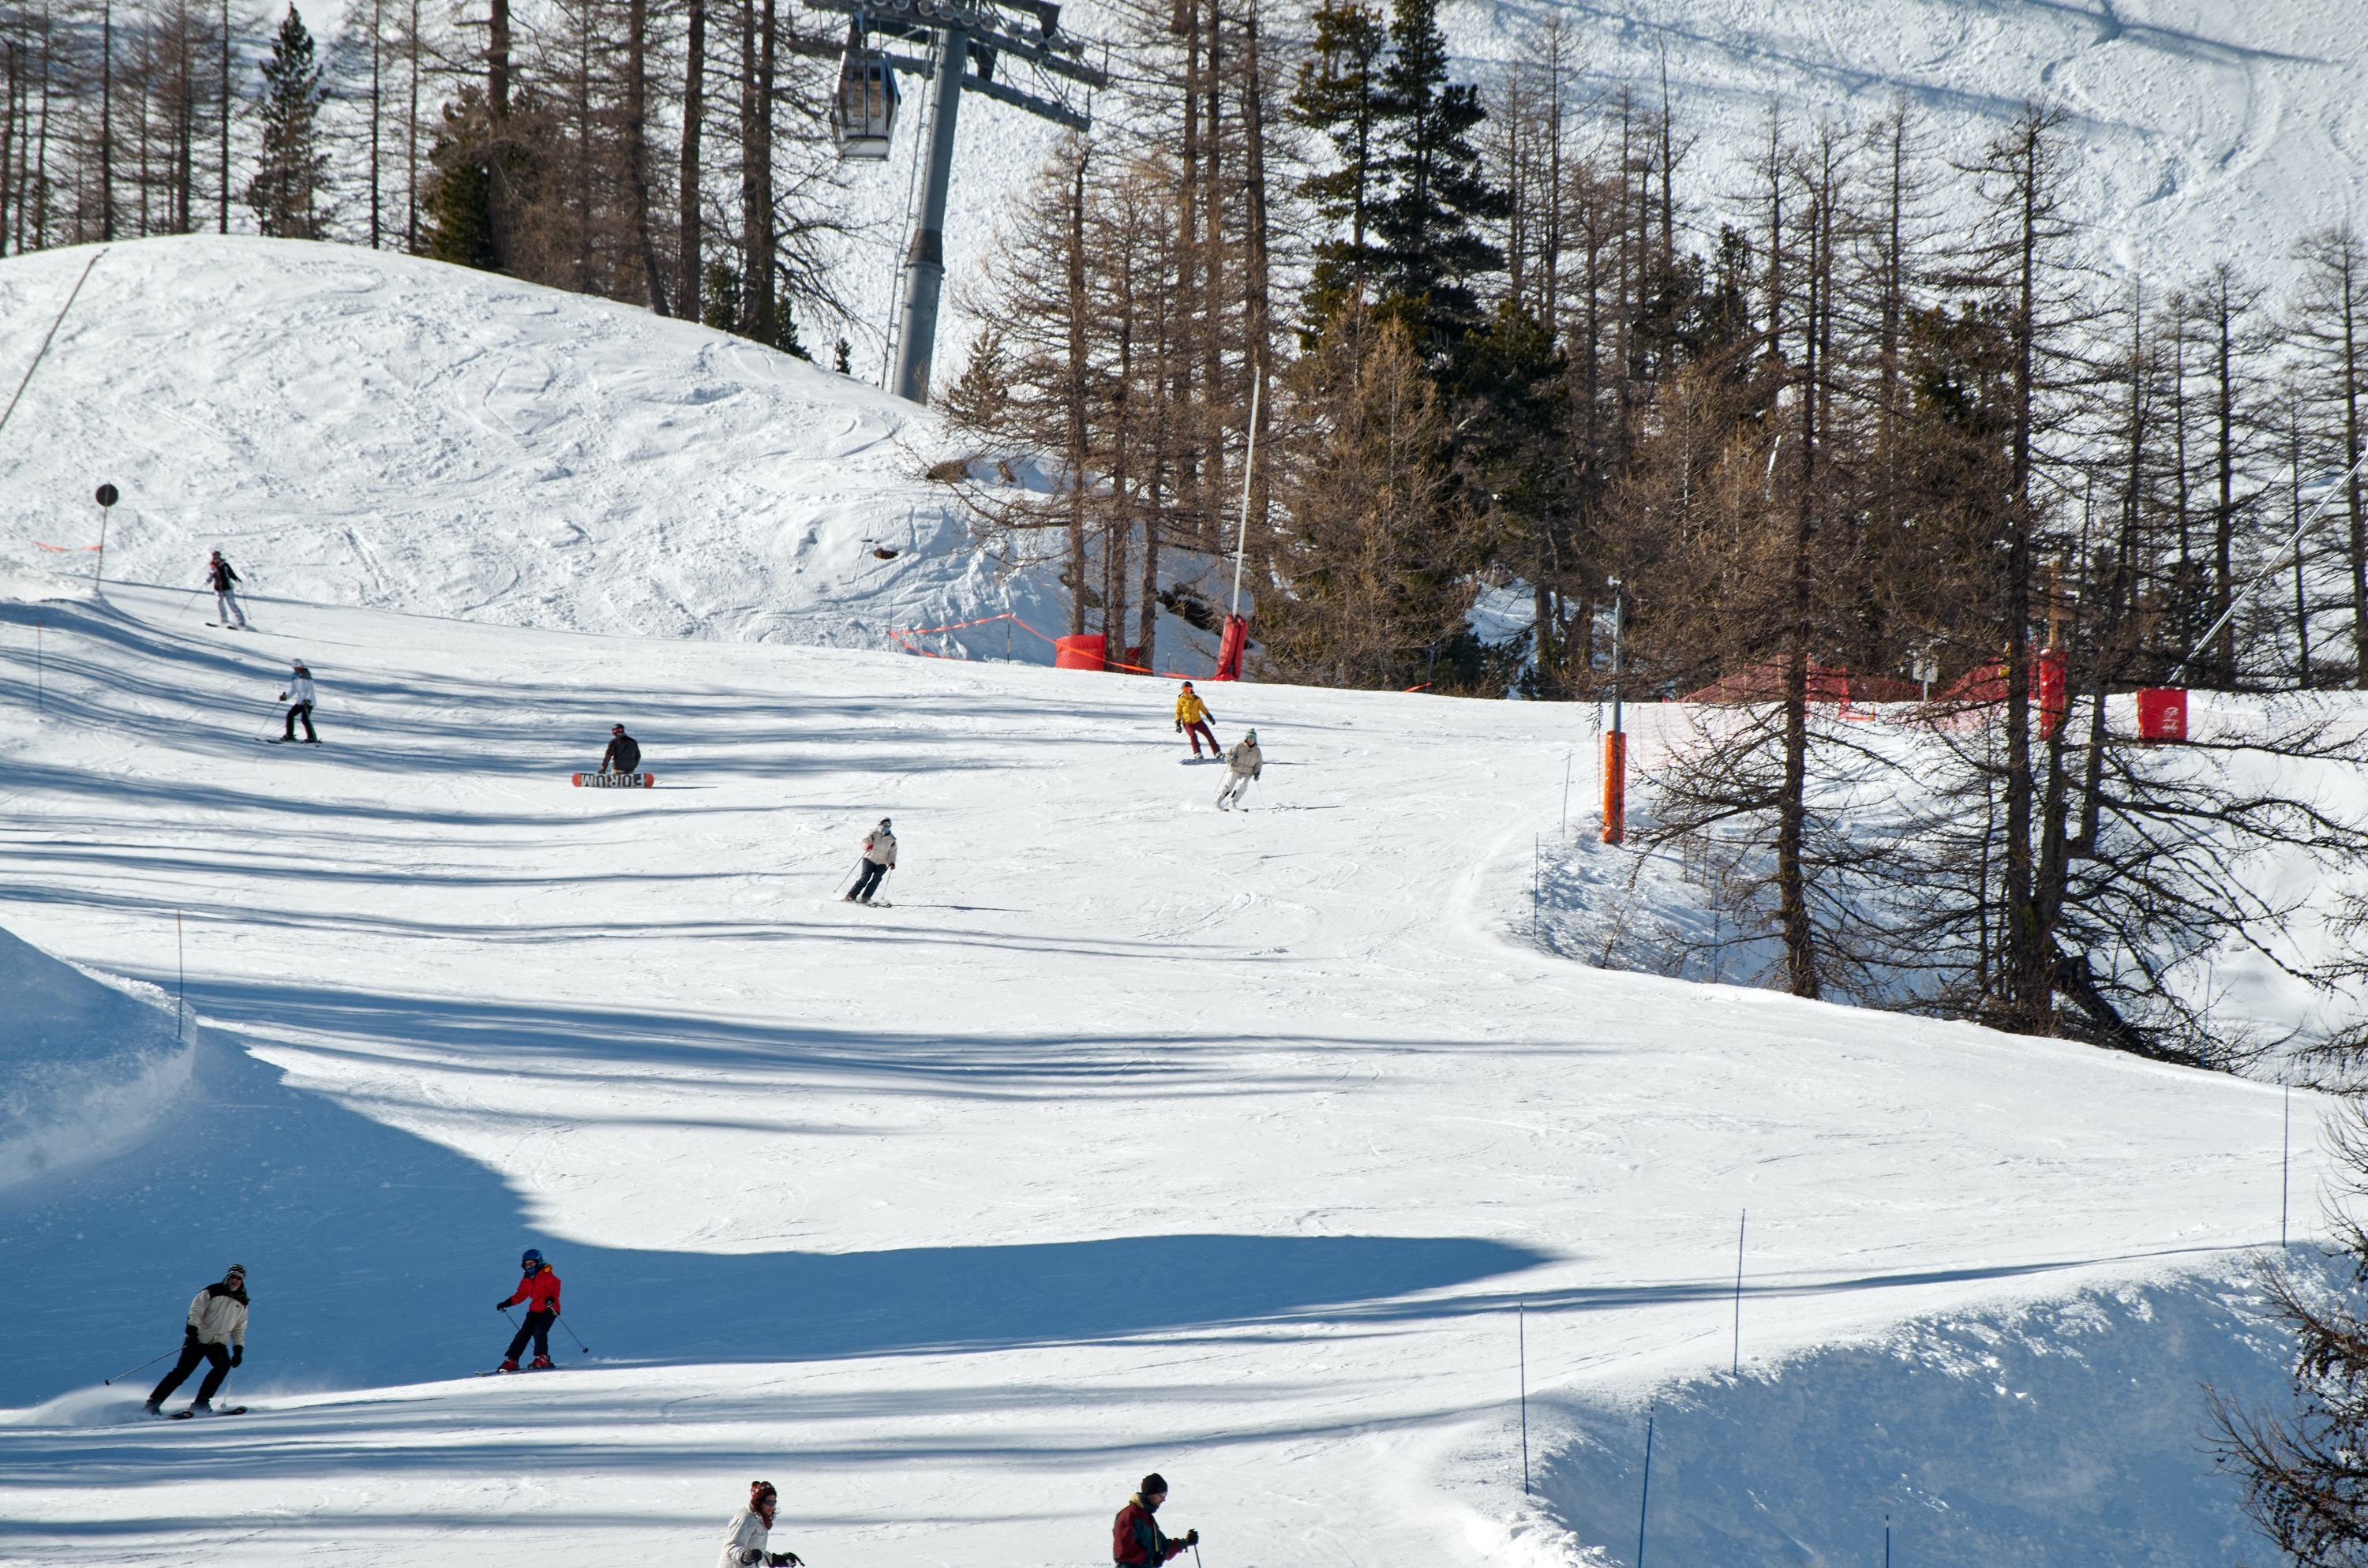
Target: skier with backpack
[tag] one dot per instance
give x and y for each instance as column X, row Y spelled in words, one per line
column 1242, row 764
column 625, row 753
column 751, row 1527
column 539, row 1290
column 1192, row 718
column 879, row 860
column 299, row 698
column 220, row 577
column 1136, row 1540
column 215, row 1333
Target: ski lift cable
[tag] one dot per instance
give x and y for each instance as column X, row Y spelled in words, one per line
column 2236, row 599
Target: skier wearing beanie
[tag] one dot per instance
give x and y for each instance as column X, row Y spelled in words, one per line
column 1192, row 718
column 625, row 753
column 744, row 1547
column 216, row 1333
column 1242, row 764
column 539, row 1290
column 299, row 698
column 220, row 577
column 879, row 860
column 1136, row 1540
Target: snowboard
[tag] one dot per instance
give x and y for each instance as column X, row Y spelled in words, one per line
column 613, row 780
column 227, row 1410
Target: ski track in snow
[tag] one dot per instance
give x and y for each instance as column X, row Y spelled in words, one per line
column 1135, row 1135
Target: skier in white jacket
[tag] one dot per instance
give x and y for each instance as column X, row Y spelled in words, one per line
column 751, row 1527
column 215, row 1335
column 299, row 698
column 1242, row 764
column 879, row 860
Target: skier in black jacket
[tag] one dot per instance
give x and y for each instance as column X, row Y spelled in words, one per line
column 625, row 753
column 218, row 576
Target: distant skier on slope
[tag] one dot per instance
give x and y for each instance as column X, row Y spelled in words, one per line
column 751, row 1528
column 220, row 577
column 215, row 1333
column 1242, row 764
column 539, row 1290
column 625, row 753
column 879, row 860
column 299, row 698
column 1136, row 1540
column 1192, row 718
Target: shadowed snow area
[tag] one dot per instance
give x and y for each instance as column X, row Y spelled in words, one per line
column 84, row 1068
column 1134, row 1135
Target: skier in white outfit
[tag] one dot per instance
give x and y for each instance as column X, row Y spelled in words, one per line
column 1242, row 764
column 299, row 698
column 746, row 1545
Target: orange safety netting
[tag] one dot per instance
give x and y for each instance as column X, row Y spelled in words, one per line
column 63, row 548
column 910, row 632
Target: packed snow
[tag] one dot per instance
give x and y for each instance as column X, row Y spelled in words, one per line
column 1268, row 1148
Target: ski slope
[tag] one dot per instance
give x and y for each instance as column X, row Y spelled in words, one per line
column 1262, row 1149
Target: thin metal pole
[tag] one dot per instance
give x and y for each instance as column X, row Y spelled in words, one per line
column 2285, row 1166
column 1887, row 1540
column 98, row 573
column 71, row 295
column 1521, row 1327
column 2236, row 599
column 1249, row 467
column 180, row 1002
column 1645, row 1502
column 1565, row 794
column 40, row 678
column 1736, row 1370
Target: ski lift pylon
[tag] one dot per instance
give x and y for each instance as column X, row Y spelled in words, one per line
column 863, row 115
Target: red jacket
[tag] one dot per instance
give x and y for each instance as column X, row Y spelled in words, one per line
column 538, row 1290
column 1136, row 1540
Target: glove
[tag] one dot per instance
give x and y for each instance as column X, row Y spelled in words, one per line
column 282, row 697
column 749, row 1555
column 237, row 1354
column 788, row 1559
column 190, row 1333
column 1193, row 1538
column 502, row 1305
column 1257, row 772
column 1179, row 726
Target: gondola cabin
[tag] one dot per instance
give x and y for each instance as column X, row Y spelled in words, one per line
column 863, row 116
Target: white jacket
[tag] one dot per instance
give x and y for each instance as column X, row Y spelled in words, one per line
column 218, row 1320
column 749, row 1535
column 880, row 848
column 1245, row 758
column 301, row 690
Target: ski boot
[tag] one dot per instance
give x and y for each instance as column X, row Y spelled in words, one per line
column 509, row 1364
column 152, row 1407
column 540, row 1364
column 202, row 1408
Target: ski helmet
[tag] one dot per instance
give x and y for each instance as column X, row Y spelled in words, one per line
column 884, row 822
column 616, row 729
column 532, row 1260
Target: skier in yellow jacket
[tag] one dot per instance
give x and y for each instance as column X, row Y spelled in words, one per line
column 1192, row 718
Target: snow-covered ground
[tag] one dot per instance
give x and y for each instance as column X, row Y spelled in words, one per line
column 1263, row 1149
column 352, row 426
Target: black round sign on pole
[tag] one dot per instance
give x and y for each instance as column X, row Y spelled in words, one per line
column 109, row 495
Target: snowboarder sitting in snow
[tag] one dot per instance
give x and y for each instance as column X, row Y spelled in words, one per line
column 299, row 698
column 625, row 753
column 215, row 1333
column 1136, row 1540
column 540, row 1291
column 1192, row 718
column 219, row 576
column 879, row 860
column 1242, row 764
column 744, row 1547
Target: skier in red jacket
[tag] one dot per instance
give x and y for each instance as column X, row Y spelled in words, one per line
column 1136, row 1540
column 539, row 1290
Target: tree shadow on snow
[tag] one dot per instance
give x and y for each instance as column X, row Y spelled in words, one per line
column 375, row 1256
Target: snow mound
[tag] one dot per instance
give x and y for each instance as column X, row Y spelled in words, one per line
column 362, row 428
column 84, row 1068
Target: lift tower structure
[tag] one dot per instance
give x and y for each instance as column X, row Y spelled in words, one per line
column 966, row 40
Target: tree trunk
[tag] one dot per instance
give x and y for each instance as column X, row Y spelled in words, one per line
column 687, row 279
column 637, row 146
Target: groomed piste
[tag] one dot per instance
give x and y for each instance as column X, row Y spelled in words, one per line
column 1263, row 1149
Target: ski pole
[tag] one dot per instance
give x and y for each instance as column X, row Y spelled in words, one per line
column 118, row 1377
column 580, row 1345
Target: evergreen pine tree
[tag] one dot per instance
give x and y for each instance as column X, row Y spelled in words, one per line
column 1436, row 186
column 1339, row 95
column 457, row 203
column 291, row 170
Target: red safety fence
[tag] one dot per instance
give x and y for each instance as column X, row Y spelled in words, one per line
column 61, row 549
column 1069, row 652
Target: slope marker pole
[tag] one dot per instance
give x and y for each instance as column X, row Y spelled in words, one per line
column 1735, row 1370
column 2285, row 1166
column 1645, row 1501
column 181, row 1000
column 1522, row 1330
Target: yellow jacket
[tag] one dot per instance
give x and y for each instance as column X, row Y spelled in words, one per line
column 1188, row 708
